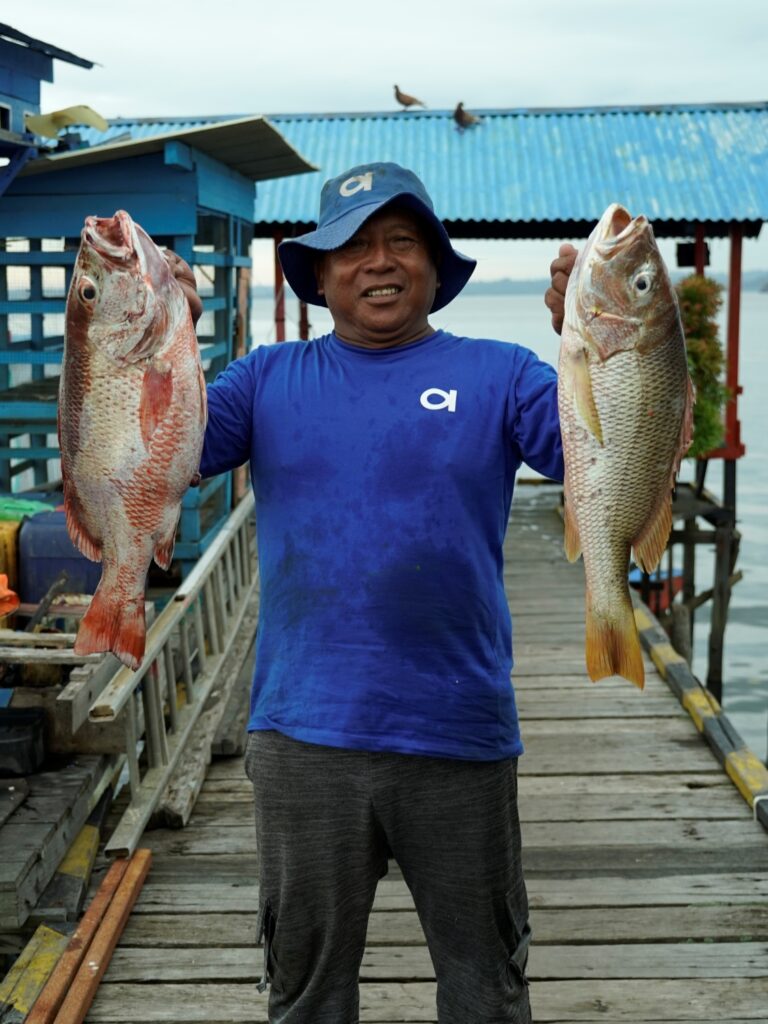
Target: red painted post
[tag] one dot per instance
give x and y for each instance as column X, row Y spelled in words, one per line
column 732, row 425
column 279, row 295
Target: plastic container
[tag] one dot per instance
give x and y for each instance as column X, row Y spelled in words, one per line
column 22, row 747
column 44, row 550
column 17, row 508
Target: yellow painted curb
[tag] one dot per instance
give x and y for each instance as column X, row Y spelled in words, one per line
column 643, row 620
column 699, row 706
column 748, row 772
column 24, row 982
column 79, row 859
column 663, row 655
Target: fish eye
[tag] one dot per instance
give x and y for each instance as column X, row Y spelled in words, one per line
column 86, row 289
column 642, row 283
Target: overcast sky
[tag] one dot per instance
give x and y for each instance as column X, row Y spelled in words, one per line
column 157, row 58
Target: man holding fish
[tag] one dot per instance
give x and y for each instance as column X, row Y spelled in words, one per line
column 383, row 723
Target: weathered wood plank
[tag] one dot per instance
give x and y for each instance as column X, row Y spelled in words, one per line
column 710, row 999
column 562, row 925
column 409, row 963
column 173, row 896
column 679, row 834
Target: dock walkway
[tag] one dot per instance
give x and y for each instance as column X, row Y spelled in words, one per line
column 647, row 875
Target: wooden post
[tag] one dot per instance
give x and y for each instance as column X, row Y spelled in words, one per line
column 732, row 425
column 279, row 295
column 699, row 250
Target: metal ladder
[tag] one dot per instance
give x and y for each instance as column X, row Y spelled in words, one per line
column 187, row 648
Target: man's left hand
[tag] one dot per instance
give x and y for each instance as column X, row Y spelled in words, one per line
column 184, row 274
column 554, row 297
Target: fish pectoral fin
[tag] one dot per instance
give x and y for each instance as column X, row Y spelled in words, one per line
column 581, row 382
column 79, row 534
column 650, row 544
column 156, row 394
column 163, row 551
column 571, row 539
column 613, row 645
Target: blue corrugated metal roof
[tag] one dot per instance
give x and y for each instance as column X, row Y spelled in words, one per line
column 676, row 164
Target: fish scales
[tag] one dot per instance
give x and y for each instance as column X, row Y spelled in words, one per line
column 131, row 420
column 626, row 403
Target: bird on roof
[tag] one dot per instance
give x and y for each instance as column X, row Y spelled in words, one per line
column 464, row 119
column 49, row 125
column 407, row 101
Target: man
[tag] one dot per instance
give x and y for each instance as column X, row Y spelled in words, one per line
column 383, row 722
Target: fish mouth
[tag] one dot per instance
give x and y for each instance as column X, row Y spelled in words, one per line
column 617, row 229
column 113, row 238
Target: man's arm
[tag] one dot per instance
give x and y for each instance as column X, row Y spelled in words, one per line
column 559, row 271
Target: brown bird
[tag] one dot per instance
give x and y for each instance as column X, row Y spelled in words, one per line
column 464, row 119
column 407, row 101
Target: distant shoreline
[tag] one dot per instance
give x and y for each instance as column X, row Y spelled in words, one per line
column 751, row 281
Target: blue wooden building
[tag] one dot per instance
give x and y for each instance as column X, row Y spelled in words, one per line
column 192, row 190
column 24, row 63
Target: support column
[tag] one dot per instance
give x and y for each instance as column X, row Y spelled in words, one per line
column 279, row 295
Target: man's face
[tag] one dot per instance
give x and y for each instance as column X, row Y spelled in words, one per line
column 380, row 286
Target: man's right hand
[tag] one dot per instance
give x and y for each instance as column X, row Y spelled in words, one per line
column 554, row 297
column 184, row 274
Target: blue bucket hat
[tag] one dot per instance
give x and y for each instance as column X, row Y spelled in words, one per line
column 346, row 203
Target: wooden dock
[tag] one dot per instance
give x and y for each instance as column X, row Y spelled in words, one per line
column 647, row 875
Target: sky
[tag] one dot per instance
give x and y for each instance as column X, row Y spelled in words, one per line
column 162, row 59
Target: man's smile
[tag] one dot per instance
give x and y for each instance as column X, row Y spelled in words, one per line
column 381, row 291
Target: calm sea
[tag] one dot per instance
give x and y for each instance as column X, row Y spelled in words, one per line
column 524, row 319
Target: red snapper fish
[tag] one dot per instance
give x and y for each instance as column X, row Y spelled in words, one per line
column 132, row 413
column 626, row 416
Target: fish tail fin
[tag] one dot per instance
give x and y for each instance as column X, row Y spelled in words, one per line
column 613, row 646
column 115, row 625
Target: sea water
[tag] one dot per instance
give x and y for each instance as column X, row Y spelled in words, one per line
column 524, row 319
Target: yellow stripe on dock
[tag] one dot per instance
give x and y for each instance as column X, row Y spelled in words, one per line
column 748, row 772
column 700, row 705
column 82, row 853
column 663, row 655
column 25, row 980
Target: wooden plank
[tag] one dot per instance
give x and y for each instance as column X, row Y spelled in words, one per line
column 31, row 850
column 408, row 963
column 212, row 896
column 578, row 925
column 680, row 835
column 227, row 810
column 711, row 999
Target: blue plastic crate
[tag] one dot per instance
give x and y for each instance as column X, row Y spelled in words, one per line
column 44, row 550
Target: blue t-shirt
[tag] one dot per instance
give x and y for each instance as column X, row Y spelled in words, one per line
column 383, row 482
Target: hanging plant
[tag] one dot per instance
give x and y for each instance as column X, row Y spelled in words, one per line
column 700, row 301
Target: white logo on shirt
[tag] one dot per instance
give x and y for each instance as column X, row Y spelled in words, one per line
column 447, row 399
column 357, row 183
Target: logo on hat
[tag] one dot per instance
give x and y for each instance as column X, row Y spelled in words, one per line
column 357, row 183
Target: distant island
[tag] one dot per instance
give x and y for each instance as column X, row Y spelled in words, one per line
column 751, row 281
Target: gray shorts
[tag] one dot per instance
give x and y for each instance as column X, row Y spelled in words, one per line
column 327, row 820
